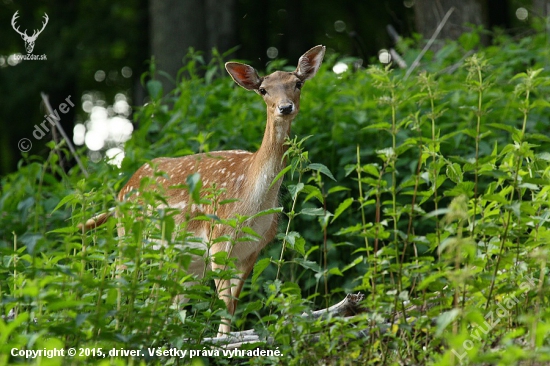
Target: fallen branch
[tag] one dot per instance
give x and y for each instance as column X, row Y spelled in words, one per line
column 454, row 67
column 62, row 132
column 346, row 308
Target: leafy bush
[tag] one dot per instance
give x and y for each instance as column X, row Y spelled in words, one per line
column 427, row 193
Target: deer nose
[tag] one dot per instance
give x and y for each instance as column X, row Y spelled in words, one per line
column 286, row 108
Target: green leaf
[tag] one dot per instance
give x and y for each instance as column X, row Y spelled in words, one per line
column 296, row 242
column 210, row 73
column 251, row 232
column 312, row 192
column 342, row 207
column 63, row 230
column 308, row 264
column 154, row 87
column 372, row 170
column 30, row 240
column 349, row 168
column 340, row 188
column 259, row 267
column 430, row 279
column 280, row 175
column 65, row 304
column 182, row 315
column 300, row 246
column 540, row 103
column 291, row 288
column 311, row 250
column 269, row 211
column 495, row 198
column 64, row 200
column 445, row 319
column 168, row 224
column 12, row 326
column 322, row 169
column 294, row 189
column 313, row 211
column 438, row 212
column 221, row 257
column 350, row 229
column 537, row 136
column 454, row 172
column 469, row 40
column 252, row 306
column 195, row 184
column 502, row 126
column 353, row 264
column 378, row 126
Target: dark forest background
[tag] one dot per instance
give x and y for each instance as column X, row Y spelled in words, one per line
column 84, row 37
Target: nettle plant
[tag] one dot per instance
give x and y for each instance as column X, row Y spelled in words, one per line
column 429, row 194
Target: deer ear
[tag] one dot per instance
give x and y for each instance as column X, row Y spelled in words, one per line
column 309, row 63
column 243, row 75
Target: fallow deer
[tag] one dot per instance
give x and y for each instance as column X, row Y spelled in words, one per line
column 242, row 175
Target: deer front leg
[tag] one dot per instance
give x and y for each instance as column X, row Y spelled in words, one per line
column 224, row 292
column 229, row 290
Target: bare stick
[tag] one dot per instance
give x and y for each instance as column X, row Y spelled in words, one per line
column 396, row 57
column 62, row 131
column 396, row 38
column 453, row 68
column 55, row 138
column 345, row 309
column 430, row 42
column 348, row 306
column 239, row 339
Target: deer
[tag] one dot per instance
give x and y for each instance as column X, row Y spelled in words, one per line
column 247, row 178
column 29, row 40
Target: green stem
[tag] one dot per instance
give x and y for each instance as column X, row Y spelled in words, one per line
column 478, row 138
column 290, row 218
column 361, row 202
column 435, row 172
column 509, row 212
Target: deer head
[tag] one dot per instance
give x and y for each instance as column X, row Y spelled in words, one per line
column 29, row 40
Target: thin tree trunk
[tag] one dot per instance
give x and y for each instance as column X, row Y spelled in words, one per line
column 541, row 7
column 177, row 25
column 220, row 24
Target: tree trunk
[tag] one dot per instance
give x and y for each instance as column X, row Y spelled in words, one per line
column 541, row 7
column 177, row 25
column 220, row 24
column 429, row 13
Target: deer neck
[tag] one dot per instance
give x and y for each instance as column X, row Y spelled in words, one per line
column 268, row 160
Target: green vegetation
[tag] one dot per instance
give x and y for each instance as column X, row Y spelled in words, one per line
column 429, row 194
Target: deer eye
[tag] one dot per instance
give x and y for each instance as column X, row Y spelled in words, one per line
column 299, row 85
column 262, row 91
